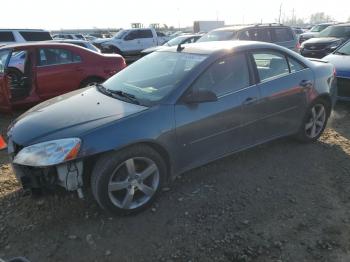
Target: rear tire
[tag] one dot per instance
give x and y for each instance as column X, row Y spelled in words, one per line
column 127, row 182
column 314, row 121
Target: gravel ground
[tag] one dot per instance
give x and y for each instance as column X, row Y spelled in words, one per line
column 282, row 201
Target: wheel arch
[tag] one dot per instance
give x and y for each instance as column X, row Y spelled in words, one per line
column 89, row 162
column 326, row 98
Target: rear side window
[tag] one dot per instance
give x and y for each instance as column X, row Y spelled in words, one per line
column 270, row 65
column 146, row 34
column 283, row 34
column 295, row 65
column 7, row 37
column 35, row 36
column 56, row 56
column 224, row 76
column 258, row 34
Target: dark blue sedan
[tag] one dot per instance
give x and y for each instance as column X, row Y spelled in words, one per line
column 171, row 111
column 341, row 60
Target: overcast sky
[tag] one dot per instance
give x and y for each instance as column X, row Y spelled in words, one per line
column 49, row 14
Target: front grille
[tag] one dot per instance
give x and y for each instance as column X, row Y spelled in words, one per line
column 315, row 46
column 343, row 87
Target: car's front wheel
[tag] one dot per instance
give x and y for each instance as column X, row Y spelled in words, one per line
column 315, row 121
column 128, row 181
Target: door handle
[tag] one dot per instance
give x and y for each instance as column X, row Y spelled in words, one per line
column 250, row 100
column 306, row 83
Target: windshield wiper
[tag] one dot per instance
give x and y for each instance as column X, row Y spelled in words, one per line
column 341, row 53
column 128, row 96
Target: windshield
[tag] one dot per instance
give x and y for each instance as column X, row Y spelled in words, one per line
column 219, row 35
column 3, row 59
column 153, row 77
column 175, row 41
column 120, row 34
column 318, row 28
column 336, row 31
column 345, row 49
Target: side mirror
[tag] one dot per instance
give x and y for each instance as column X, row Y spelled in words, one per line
column 200, row 96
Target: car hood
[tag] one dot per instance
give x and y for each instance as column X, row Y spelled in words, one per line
column 322, row 40
column 341, row 64
column 69, row 115
column 101, row 40
column 153, row 49
column 309, row 34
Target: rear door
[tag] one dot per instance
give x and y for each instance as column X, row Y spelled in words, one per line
column 208, row 130
column 5, row 104
column 132, row 42
column 147, row 38
column 283, row 85
column 58, row 71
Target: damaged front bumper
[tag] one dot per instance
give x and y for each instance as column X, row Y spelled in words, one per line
column 68, row 175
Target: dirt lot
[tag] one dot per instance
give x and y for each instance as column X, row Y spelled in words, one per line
column 282, row 201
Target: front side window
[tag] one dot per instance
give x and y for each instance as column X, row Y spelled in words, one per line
column 225, row 76
column 153, row 77
column 7, row 37
column 345, row 49
column 56, row 56
column 336, row 31
column 270, row 65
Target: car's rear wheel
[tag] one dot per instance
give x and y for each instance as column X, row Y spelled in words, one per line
column 315, row 121
column 128, row 181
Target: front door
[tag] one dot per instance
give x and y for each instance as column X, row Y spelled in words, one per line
column 206, row 131
column 5, row 104
column 58, row 71
column 132, row 43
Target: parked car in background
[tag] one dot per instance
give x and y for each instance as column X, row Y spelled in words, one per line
column 82, row 43
column 314, row 31
column 11, row 36
column 327, row 41
column 183, row 39
column 171, row 111
column 272, row 33
column 32, row 73
column 206, row 26
column 340, row 58
column 131, row 42
column 69, row 36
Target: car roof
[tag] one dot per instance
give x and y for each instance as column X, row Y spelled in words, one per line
column 240, row 27
column 35, row 44
column 20, row 29
column 209, row 48
column 343, row 24
column 68, row 41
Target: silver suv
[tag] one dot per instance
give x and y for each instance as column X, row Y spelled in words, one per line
column 272, row 33
column 11, row 36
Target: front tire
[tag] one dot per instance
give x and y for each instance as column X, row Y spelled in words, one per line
column 314, row 121
column 128, row 181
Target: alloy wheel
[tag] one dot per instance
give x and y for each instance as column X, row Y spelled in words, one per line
column 133, row 183
column 316, row 121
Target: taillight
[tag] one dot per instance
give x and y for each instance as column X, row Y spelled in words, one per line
column 298, row 46
column 334, row 72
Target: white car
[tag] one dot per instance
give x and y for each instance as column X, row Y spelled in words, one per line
column 131, row 42
column 12, row 36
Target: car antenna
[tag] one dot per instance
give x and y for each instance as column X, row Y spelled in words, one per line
column 179, row 48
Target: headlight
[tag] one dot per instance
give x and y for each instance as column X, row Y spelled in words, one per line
column 49, row 153
column 334, row 45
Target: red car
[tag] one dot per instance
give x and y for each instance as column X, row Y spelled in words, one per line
column 32, row 73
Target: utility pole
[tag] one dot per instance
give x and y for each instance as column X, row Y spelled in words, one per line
column 279, row 18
